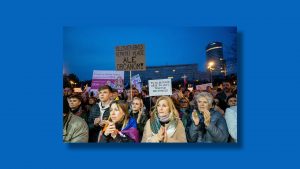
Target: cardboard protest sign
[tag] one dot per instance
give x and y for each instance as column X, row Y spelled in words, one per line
column 160, row 87
column 130, row 57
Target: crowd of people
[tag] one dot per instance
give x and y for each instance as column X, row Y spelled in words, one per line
column 186, row 116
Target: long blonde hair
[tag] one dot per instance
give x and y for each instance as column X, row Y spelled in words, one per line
column 174, row 113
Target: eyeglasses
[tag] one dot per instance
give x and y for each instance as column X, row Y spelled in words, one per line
column 135, row 103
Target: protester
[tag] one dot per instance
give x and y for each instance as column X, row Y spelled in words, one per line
column 216, row 106
column 184, row 110
column 222, row 96
column 121, row 128
column 185, row 113
column 75, row 129
column 146, row 98
column 99, row 113
column 231, row 100
column 211, row 91
column 231, row 120
column 139, row 113
column 75, row 105
column 68, row 91
column 91, row 103
column 164, row 126
column 115, row 95
column 231, row 117
column 208, row 125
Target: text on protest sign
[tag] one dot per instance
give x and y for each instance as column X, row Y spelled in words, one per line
column 130, row 57
column 114, row 79
column 160, row 87
column 203, row 86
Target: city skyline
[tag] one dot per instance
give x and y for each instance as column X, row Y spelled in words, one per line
column 88, row 49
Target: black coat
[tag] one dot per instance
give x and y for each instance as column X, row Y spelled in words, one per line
column 94, row 130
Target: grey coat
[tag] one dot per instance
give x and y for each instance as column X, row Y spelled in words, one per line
column 75, row 130
column 215, row 132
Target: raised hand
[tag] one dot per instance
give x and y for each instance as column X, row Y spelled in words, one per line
column 195, row 118
column 161, row 134
column 206, row 115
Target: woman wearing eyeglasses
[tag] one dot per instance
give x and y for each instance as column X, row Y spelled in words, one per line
column 164, row 125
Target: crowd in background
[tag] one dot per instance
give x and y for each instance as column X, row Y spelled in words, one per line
column 208, row 116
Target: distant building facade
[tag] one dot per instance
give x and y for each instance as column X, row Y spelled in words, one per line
column 174, row 72
column 231, row 65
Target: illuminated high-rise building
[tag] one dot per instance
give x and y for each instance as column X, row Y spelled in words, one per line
column 214, row 54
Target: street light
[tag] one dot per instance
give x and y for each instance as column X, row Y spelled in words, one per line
column 210, row 64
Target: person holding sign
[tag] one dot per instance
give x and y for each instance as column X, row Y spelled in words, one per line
column 121, row 128
column 207, row 125
column 164, row 126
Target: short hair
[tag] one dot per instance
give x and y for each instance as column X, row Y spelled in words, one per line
column 227, row 81
column 75, row 95
column 205, row 95
column 229, row 97
column 105, row 87
column 114, row 90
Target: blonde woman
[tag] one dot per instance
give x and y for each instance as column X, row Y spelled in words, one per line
column 164, row 126
column 139, row 113
column 120, row 127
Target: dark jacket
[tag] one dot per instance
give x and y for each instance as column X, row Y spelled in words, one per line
column 126, row 135
column 185, row 118
column 94, row 130
column 222, row 100
column 216, row 131
column 144, row 118
column 75, row 129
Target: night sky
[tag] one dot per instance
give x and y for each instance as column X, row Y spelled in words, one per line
column 93, row 48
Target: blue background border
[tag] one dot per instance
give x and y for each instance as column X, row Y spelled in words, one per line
column 31, row 81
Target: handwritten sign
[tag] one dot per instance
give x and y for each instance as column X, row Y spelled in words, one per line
column 160, row 87
column 130, row 57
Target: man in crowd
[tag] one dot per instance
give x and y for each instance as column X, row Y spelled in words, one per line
column 99, row 113
column 222, row 96
column 75, row 128
column 115, row 95
column 75, row 106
